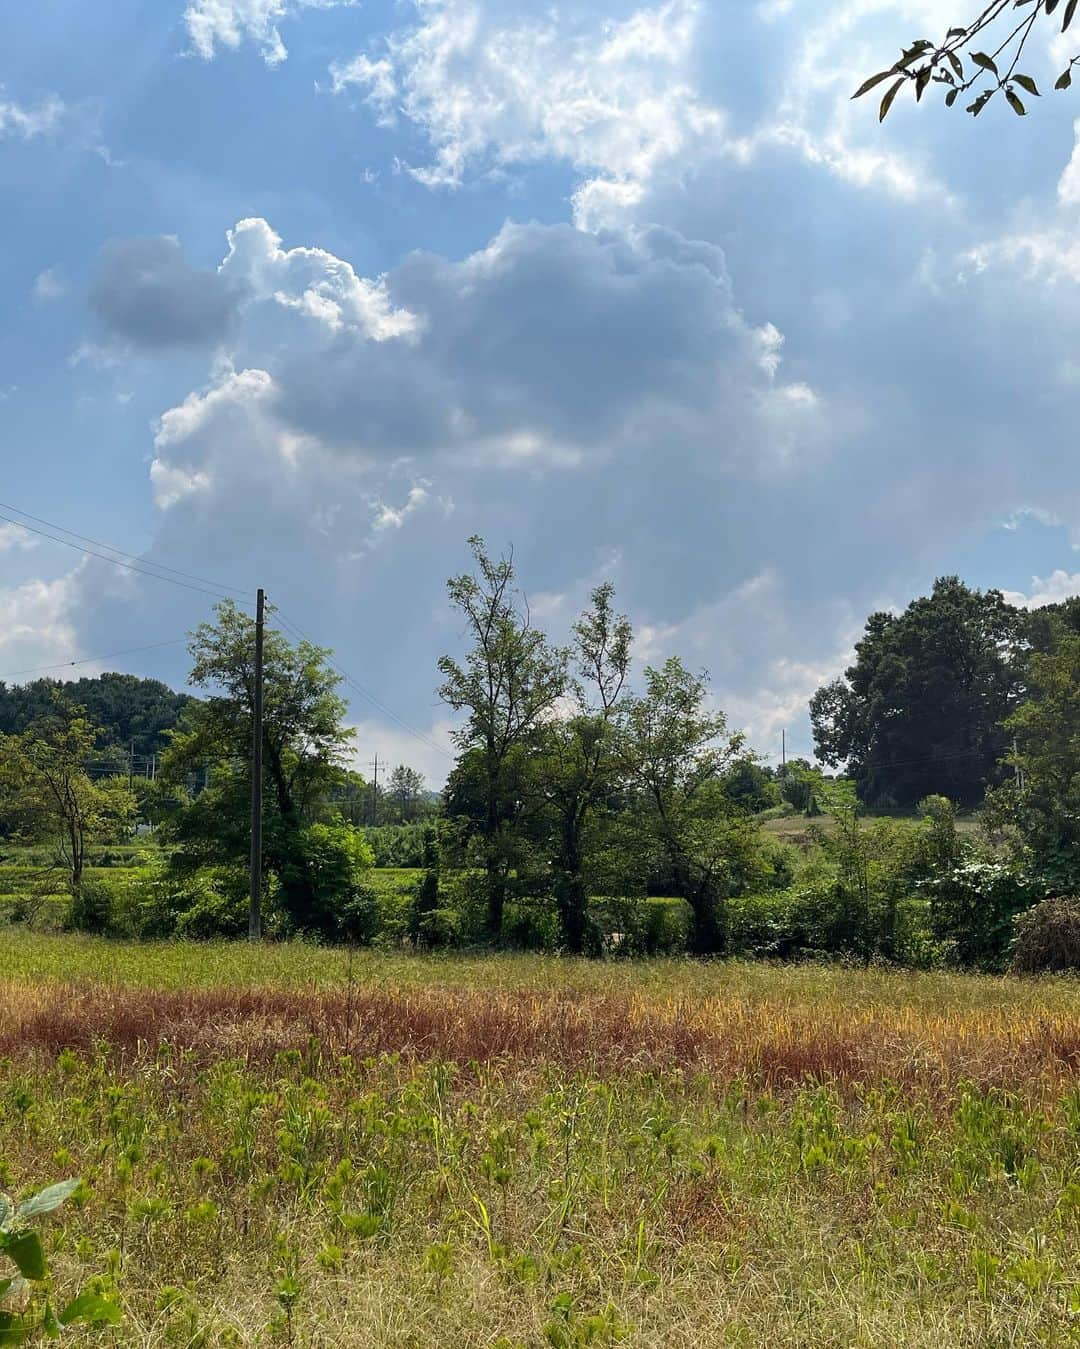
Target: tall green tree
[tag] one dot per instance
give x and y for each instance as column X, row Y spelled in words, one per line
column 305, row 742
column 675, row 754
column 1042, row 801
column 579, row 764
column 920, row 712
column 405, row 799
column 508, row 685
column 54, row 789
column 980, row 57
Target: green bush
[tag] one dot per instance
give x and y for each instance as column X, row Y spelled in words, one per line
column 439, row 928
column 91, row 909
column 359, row 916
column 332, row 860
column 972, row 908
column 1047, row 937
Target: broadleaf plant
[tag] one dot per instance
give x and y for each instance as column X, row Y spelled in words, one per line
column 26, row 1310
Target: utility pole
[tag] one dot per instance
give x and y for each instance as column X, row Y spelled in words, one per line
column 255, row 904
column 375, row 792
column 783, row 753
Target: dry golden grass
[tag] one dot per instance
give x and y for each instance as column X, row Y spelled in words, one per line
column 290, row 1147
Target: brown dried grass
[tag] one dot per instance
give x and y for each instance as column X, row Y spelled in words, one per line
column 729, row 1037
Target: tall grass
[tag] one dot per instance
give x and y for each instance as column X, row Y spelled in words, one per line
column 523, row 1151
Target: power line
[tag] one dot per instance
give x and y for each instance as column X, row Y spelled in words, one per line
column 91, row 660
column 132, row 557
column 115, row 561
column 366, row 693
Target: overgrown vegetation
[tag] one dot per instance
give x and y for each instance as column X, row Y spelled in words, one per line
column 593, row 808
column 292, row 1145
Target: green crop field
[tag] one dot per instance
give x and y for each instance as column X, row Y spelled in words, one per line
column 288, row 1145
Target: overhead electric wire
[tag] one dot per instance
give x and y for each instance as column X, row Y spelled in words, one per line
column 91, row 660
column 131, row 557
column 366, row 693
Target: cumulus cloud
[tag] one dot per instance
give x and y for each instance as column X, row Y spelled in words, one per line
column 496, row 85
column 215, row 24
column 148, row 294
column 1059, row 585
column 37, row 625
column 545, row 348
column 15, row 538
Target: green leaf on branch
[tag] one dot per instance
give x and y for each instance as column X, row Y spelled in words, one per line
column 887, row 101
column 950, row 97
column 1064, row 79
column 1014, row 102
column 867, row 85
column 986, row 62
column 1026, row 82
column 1070, row 10
column 957, row 65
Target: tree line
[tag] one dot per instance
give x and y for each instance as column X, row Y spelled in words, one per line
column 581, row 785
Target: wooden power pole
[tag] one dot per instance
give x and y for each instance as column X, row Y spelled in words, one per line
column 255, row 893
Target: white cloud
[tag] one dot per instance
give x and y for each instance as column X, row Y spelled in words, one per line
column 14, row 538
column 242, row 388
column 49, row 285
column 393, row 517
column 431, row 751
column 1059, row 585
column 213, row 24
column 313, row 282
column 171, row 484
column 493, row 89
column 28, row 122
column 37, row 624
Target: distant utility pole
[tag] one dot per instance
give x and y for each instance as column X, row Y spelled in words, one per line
column 783, row 753
column 255, row 894
column 375, row 792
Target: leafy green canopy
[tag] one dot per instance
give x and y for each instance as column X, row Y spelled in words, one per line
column 133, row 714
column 921, row 710
column 305, row 742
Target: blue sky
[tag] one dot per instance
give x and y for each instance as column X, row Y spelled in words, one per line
column 304, row 294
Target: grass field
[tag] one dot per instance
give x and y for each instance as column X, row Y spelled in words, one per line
column 288, row 1145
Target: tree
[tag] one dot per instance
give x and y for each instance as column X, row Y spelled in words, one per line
column 134, row 715
column 1043, row 800
column 48, row 795
column 580, row 760
column 752, row 785
column 675, row 753
column 509, row 684
column 920, row 711
column 304, row 745
column 405, row 793
column 991, row 44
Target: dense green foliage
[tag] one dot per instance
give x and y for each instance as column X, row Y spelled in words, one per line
column 134, row 715
column 922, row 708
column 592, row 809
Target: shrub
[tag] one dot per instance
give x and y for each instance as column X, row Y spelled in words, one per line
column 1047, row 937
column 972, row 907
column 439, row 928
column 90, row 908
column 359, row 916
column 334, row 860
